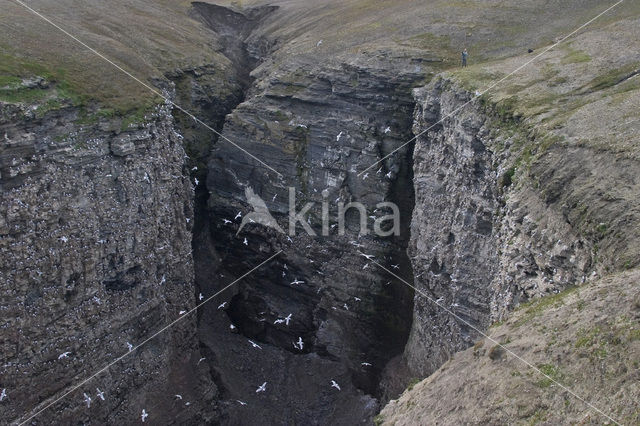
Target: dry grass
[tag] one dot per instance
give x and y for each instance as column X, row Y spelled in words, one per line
column 587, row 339
column 146, row 38
column 151, row 38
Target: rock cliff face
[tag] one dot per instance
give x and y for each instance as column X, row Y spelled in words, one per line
column 480, row 243
column 95, row 254
column 317, row 126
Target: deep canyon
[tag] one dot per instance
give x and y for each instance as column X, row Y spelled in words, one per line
column 113, row 228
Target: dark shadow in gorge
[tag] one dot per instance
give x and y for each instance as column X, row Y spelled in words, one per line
column 252, row 306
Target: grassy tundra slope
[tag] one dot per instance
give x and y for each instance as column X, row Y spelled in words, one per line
column 586, row 338
column 145, row 38
column 149, row 38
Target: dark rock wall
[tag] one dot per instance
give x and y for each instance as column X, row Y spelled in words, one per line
column 479, row 244
column 94, row 253
column 347, row 312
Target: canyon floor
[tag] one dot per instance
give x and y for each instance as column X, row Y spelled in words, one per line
column 135, row 137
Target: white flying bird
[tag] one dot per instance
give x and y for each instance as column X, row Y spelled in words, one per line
column 200, row 360
column 296, row 282
column 178, row 396
column 338, row 137
column 365, row 176
column 287, row 319
column 87, row 399
column 245, row 242
column 318, row 44
column 130, row 346
column 231, row 326
column 200, row 296
column 100, row 394
column 387, row 130
column 144, row 415
column 194, row 168
column 346, row 307
column 365, row 364
column 395, row 266
column 379, row 171
column 278, row 321
column 335, row 385
column 182, row 312
column 262, row 387
column 239, row 215
column 368, row 256
column 241, row 402
column 64, row 355
column 222, row 305
column 274, row 198
column 3, row 395
column 388, row 175
column 299, row 344
column 64, row 239
column 357, row 299
column 254, row 344
column 226, row 221
column 196, row 181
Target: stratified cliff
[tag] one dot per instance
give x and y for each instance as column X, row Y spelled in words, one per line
column 314, row 124
column 95, row 255
column 479, row 243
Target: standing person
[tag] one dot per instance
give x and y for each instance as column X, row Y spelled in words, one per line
column 465, row 55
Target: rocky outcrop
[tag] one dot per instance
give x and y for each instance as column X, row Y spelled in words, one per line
column 480, row 242
column 95, row 255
